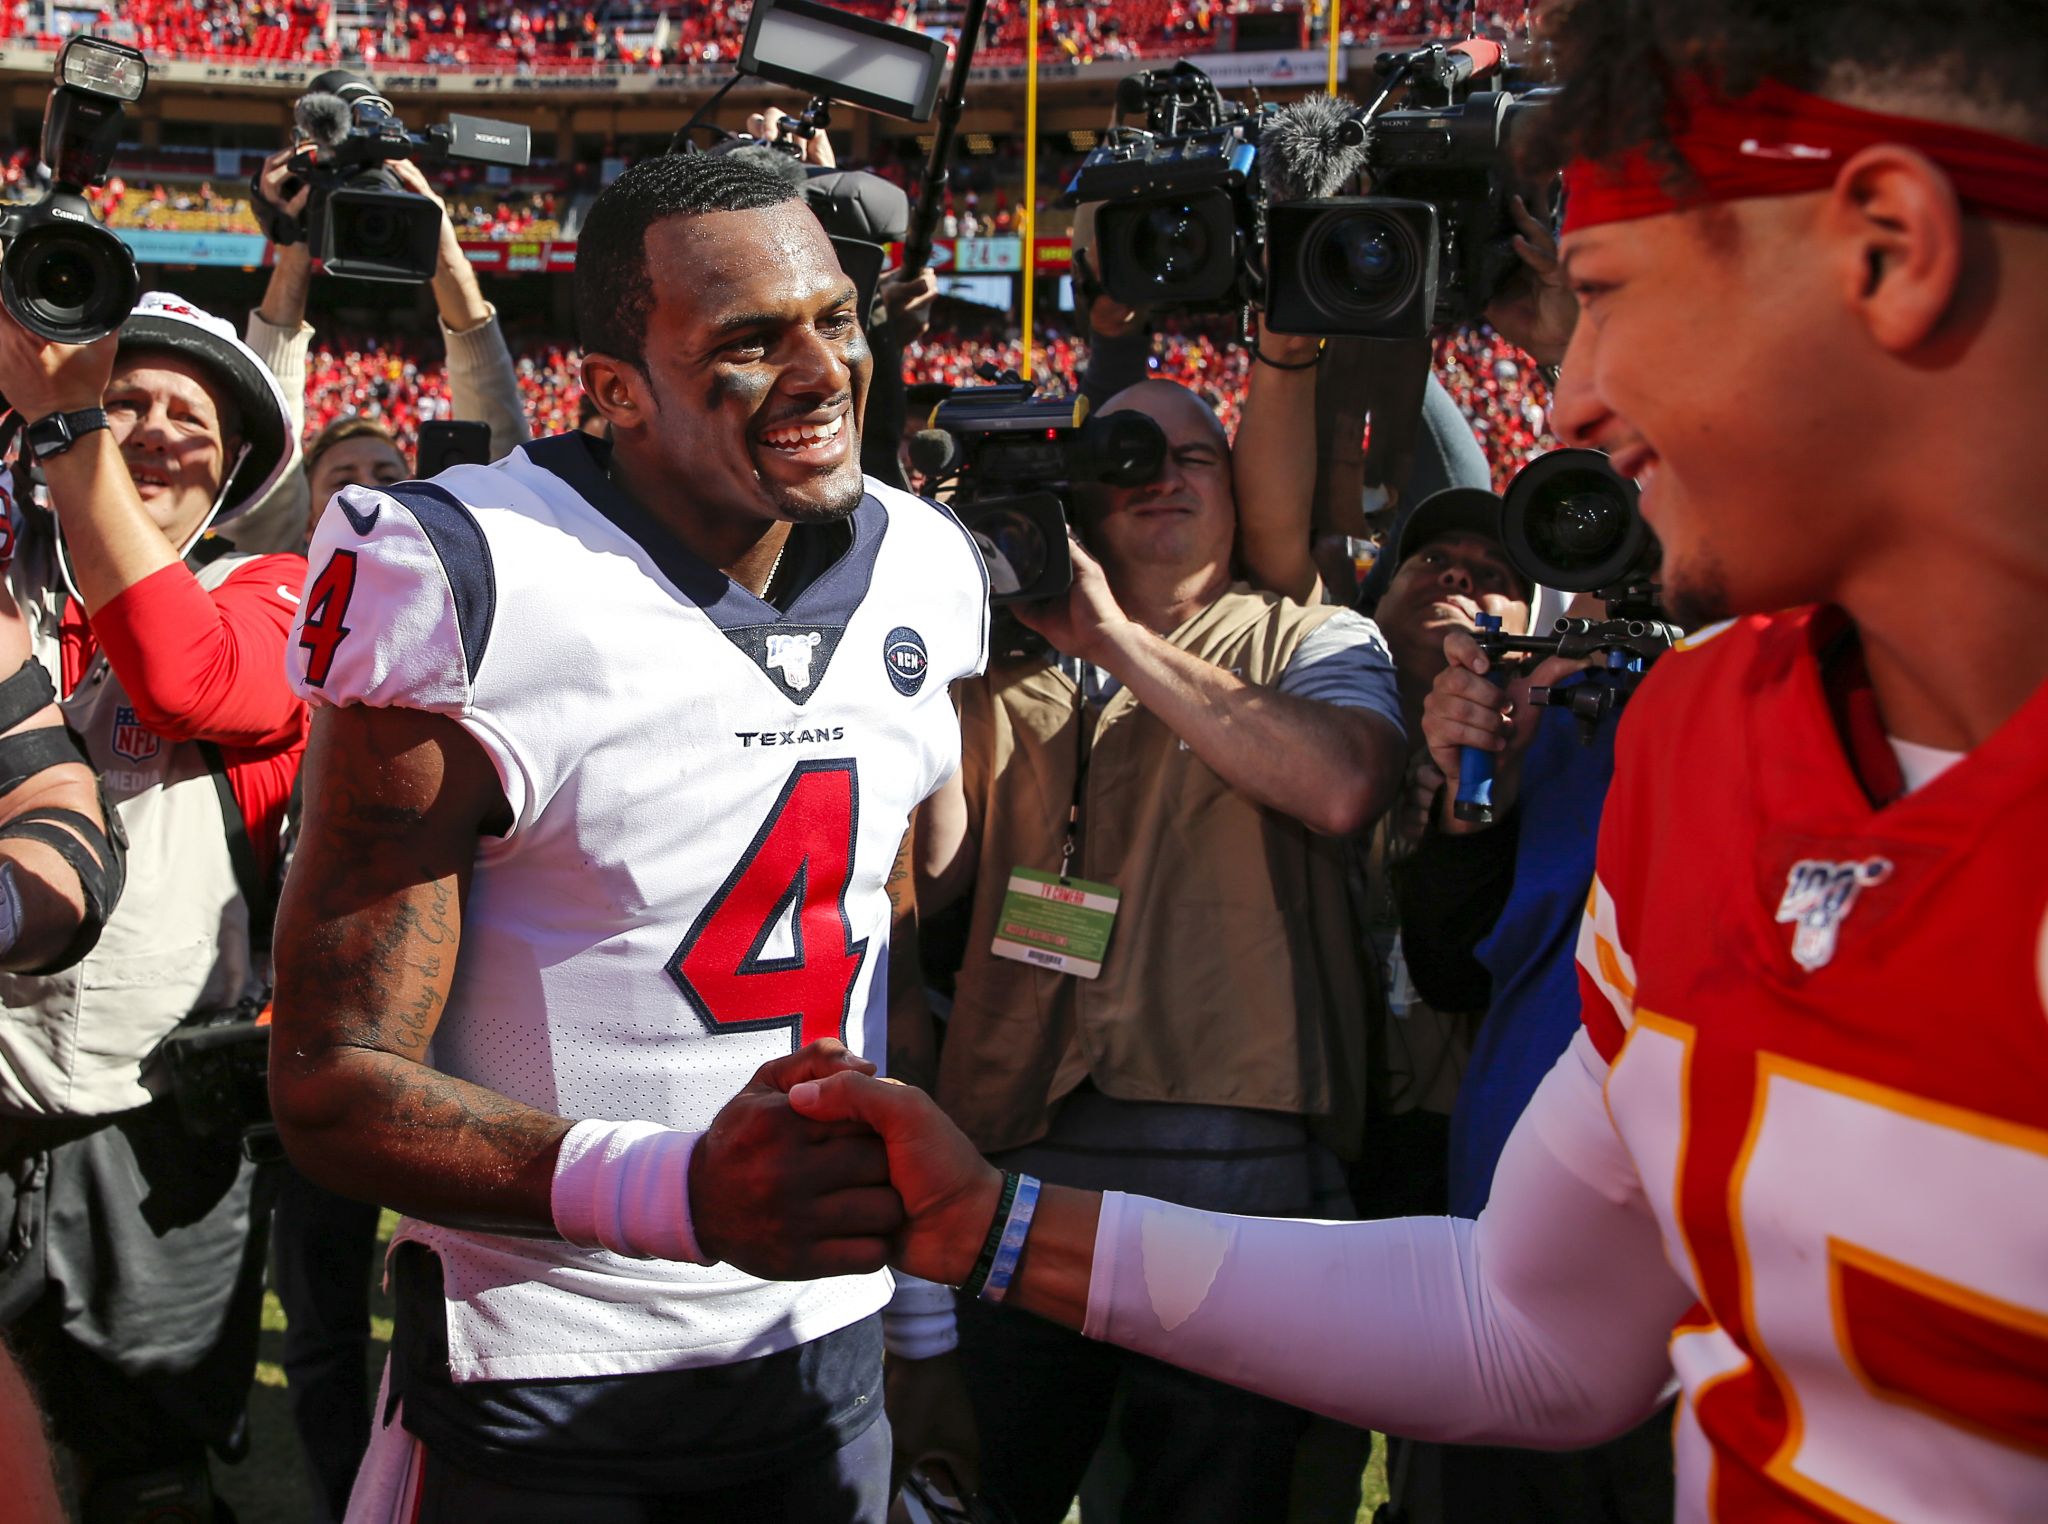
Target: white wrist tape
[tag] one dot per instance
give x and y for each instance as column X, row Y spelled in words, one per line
column 918, row 1322
column 625, row 1186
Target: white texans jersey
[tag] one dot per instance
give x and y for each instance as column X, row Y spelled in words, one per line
column 707, row 797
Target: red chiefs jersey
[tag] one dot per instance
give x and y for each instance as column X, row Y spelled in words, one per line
column 1829, row 1056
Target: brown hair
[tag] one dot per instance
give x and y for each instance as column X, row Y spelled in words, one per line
column 341, row 431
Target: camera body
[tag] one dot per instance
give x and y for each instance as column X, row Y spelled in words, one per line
column 1181, row 223
column 1427, row 249
column 1013, row 459
column 64, row 277
column 359, row 221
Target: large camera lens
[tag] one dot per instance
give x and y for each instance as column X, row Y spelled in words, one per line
column 69, row 283
column 1363, row 264
column 1570, row 520
column 1171, row 242
column 1013, row 548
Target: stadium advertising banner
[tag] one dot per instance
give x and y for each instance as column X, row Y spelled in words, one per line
column 156, row 246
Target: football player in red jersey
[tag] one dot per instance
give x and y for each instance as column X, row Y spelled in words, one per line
column 1798, row 1159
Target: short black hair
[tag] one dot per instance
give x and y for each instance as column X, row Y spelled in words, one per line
column 1622, row 61
column 614, row 294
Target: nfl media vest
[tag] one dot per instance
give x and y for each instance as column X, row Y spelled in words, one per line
column 1236, row 973
column 75, row 1043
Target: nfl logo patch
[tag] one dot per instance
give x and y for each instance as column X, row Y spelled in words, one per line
column 131, row 739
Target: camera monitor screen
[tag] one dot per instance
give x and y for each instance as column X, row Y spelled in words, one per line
column 844, row 57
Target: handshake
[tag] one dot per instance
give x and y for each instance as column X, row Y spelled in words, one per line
column 818, row 1168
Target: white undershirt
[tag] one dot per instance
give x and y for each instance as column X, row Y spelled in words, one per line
column 1921, row 765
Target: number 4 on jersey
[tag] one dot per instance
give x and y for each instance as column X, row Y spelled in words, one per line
column 321, row 632
column 795, row 873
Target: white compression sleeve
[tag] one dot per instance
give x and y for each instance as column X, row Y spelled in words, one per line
column 1544, row 1323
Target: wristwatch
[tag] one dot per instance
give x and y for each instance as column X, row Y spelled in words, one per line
column 58, row 432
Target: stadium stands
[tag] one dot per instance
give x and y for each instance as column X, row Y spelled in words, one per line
column 402, row 384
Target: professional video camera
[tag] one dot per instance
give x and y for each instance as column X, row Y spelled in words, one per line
column 64, row 277
column 1214, row 206
column 1011, row 457
column 1181, row 224
column 1570, row 521
column 358, row 221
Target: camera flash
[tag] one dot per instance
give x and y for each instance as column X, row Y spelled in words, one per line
column 103, row 67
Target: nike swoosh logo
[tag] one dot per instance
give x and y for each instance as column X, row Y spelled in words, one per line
column 361, row 523
column 286, row 593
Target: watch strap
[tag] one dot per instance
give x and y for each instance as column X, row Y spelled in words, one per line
column 55, row 433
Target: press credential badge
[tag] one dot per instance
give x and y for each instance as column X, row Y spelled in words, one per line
column 1063, row 925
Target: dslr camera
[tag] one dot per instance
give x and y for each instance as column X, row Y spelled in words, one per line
column 64, row 277
column 1220, row 207
column 1569, row 520
column 359, row 221
column 1012, row 459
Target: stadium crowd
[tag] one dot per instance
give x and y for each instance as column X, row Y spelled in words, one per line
column 1426, row 947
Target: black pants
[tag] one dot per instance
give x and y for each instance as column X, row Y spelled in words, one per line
column 1200, row 1452
column 132, row 1285
column 1627, row 1480
column 848, row 1486
column 325, row 1249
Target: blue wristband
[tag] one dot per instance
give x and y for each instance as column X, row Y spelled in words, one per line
column 1011, row 1249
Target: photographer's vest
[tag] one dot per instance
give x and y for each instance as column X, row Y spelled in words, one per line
column 1236, row 973
column 76, row 1042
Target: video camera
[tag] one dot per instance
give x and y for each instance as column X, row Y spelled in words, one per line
column 359, row 222
column 1012, row 457
column 64, row 277
column 1569, row 520
column 1213, row 207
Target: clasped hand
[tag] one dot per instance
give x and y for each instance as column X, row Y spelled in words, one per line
column 818, row 1168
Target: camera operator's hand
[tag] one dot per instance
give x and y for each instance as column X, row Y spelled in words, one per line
column 39, row 378
column 1465, row 709
column 456, row 292
column 1425, row 783
column 1534, row 309
column 767, row 127
column 276, row 176
column 909, row 302
column 1088, row 622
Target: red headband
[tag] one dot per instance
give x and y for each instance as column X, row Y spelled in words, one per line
column 1777, row 141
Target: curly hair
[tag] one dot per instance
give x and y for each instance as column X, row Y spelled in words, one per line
column 1621, row 61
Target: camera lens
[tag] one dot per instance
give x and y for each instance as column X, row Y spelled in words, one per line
column 1572, row 523
column 1171, row 242
column 1013, row 548
column 373, row 233
column 69, row 284
column 1362, row 264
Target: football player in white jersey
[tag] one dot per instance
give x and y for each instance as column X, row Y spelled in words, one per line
column 614, row 751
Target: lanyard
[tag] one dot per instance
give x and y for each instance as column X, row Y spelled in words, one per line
column 1084, row 749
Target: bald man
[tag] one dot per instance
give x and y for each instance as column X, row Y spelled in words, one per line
column 1201, row 757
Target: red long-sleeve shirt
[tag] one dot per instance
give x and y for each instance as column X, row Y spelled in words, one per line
column 209, row 666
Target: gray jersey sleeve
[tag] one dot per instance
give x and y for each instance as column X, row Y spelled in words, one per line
column 1345, row 662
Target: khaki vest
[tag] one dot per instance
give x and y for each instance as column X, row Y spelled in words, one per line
column 1237, row 971
column 74, row 1042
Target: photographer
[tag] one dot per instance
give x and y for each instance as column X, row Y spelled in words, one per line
column 1203, row 750
column 135, row 1309
column 483, row 382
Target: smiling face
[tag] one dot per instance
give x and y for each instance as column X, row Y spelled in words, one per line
column 1708, row 362
column 756, row 370
column 177, row 436
column 1438, row 589
column 1185, row 519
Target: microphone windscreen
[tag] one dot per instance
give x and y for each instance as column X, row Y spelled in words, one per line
column 933, row 452
column 323, row 117
column 1302, row 152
